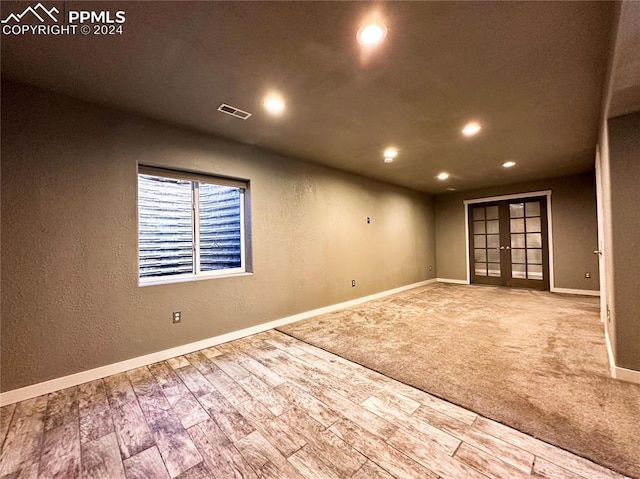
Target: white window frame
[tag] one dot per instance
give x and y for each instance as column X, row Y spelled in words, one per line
column 195, row 179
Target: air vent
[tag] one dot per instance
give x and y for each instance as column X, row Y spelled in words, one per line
column 233, row 111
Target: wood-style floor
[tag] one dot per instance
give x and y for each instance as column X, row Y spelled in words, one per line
column 267, row 406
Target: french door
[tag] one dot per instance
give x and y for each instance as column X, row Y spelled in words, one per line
column 509, row 243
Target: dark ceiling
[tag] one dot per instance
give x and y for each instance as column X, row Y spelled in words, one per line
column 532, row 73
column 625, row 81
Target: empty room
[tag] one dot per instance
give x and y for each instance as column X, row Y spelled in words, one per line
column 365, row 240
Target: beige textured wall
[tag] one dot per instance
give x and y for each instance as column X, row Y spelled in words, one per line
column 624, row 188
column 575, row 229
column 70, row 299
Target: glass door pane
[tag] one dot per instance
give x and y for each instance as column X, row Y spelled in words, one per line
column 486, row 241
column 526, row 240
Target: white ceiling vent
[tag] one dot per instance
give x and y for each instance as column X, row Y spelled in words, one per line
column 233, row 111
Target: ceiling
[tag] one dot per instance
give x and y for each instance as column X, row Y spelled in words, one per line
column 625, row 81
column 532, row 73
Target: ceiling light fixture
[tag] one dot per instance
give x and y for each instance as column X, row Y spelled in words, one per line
column 390, row 153
column 443, row 176
column 371, row 33
column 509, row 164
column 471, row 129
column 451, row 189
column 274, row 105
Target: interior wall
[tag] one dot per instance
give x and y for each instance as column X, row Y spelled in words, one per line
column 624, row 193
column 575, row 229
column 70, row 294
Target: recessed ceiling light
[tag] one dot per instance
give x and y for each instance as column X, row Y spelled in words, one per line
column 274, row 105
column 509, row 164
column 443, row 176
column 390, row 153
column 372, row 33
column 471, row 129
column 388, row 159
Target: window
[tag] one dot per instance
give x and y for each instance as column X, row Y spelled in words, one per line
column 189, row 225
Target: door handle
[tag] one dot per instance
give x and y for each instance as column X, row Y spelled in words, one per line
column 597, row 252
column 505, row 247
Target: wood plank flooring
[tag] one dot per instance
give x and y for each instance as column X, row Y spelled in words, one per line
column 266, row 406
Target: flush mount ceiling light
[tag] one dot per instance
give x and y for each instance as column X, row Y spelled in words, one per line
column 471, row 129
column 509, row 164
column 388, row 159
column 274, row 105
column 371, row 33
column 451, row 189
column 443, row 176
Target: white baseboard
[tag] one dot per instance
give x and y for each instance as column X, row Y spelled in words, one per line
column 623, row 374
column 629, row 375
column 57, row 384
column 452, row 281
column 612, row 361
column 583, row 292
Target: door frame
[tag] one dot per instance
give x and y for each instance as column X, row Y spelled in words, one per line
column 602, row 246
column 531, row 194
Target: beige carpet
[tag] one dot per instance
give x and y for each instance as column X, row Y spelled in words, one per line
column 533, row 360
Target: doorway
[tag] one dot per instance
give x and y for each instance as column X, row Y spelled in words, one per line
column 509, row 243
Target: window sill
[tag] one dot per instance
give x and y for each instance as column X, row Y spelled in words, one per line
column 189, row 278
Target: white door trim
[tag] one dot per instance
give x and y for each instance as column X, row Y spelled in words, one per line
column 601, row 244
column 489, row 199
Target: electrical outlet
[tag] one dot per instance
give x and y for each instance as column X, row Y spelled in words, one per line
column 430, row 268
column 587, row 275
column 608, row 314
column 177, row 316
column 353, row 283
column 368, row 220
